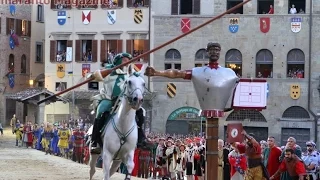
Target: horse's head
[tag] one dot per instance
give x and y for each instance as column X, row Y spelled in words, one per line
column 135, row 86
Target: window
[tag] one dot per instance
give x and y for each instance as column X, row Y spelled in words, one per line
column 39, row 52
column 11, row 63
column 23, row 27
column 295, row 63
column 233, row 3
column 86, row 50
column 40, row 13
column 60, row 51
column 111, row 4
column 137, row 47
column 109, row 48
column 265, row 6
column 264, row 64
column 186, row 7
column 234, row 61
column 201, row 58
column 60, row 4
column 297, row 6
column 60, row 86
column 137, row 3
column 10, row 25
column 93, row 86
column 23, row 64
column 41, row 84
column 172, row 59
column 87, row 4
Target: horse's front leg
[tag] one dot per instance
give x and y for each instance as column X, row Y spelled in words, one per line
column 106, row 160
column 130, row 164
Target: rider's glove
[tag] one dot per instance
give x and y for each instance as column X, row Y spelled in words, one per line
column 96, row 75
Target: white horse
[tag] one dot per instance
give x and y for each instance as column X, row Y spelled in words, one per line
column 120, row 135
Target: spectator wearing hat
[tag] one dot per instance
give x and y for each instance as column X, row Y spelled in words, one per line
column 238, row 162
column 190, row 152
column 160, row 161
column 310, row 160
column 171, row 154
column 181, row 162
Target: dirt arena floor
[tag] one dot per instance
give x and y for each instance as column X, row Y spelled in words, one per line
column 20, row 163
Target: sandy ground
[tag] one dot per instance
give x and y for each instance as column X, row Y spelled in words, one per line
column 20, row 163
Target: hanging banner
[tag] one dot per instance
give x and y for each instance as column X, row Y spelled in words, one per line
column 85, row 69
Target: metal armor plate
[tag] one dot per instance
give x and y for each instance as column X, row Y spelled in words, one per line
column 213, row 86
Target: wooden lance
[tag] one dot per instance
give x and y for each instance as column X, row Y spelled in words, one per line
column 106, row 72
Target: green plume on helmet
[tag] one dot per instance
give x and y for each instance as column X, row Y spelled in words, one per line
column 117, row 60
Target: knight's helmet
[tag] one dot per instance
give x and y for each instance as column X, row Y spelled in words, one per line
column 117, row 60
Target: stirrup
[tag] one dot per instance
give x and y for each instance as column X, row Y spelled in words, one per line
column 95, row 150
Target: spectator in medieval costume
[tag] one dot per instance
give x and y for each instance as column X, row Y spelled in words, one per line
column 160, row 161
column 13, row 123
column 145, row 157
column 54, row 143
column 47, row 136
column 181, row 162
column 64, row 137
column 291, row 164
column 38, row 135
column 171, row 154
column 199, row 159
column 271, row 157
column 27, row 134
column 19, row 132
column 78, row 136
column 291, row 144
column 190, row 153
column 238, row 161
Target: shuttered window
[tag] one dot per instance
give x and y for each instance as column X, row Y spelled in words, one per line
column 140, row 3
column 185, row 7
column 86, row 50
column 10, row 25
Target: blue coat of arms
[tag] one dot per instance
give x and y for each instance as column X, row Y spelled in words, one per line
column 62, row 17
column 12, row 9
column 11, row 80
column 11, row 42
column 234, row 25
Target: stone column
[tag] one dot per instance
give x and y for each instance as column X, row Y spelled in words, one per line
column 40, row 111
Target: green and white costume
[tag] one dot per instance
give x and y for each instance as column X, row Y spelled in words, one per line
column 113, row 86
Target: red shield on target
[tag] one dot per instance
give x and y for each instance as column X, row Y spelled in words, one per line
column 185, row 25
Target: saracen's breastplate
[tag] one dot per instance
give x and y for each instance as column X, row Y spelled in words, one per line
column 213, row 88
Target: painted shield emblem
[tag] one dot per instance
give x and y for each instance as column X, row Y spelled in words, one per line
column 185, row 25
column 112, row 16
column 11, row 42
column 296, row 24
column 12, row 9
column 61, row 69
column 137, row 67
column 85, row 69
column 138, row 16
column 86, row 16
column 62, row 17
column 264, row 25
column 234, row 25
column 11, row 80
column 295, row 91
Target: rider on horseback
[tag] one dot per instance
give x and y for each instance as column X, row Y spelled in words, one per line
column 103, row 102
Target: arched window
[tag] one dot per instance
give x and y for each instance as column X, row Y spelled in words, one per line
column 234, row 61
column 23, row 64
column 201, row 58
column 295, row 63
column 264, row 64
column 172, row 59
column 11, row 63
column 296, row 112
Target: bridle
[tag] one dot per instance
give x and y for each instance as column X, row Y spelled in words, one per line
column 128, row 94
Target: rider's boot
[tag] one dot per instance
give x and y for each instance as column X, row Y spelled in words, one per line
column 96, row 142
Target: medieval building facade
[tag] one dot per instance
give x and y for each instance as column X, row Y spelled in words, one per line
column 21, row 62
column 79, row 37
column 275, row 40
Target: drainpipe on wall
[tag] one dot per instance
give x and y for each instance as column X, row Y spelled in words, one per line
column 150, row 103
column 309, row 78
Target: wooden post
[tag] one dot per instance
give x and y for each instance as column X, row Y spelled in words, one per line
column 212, row 132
